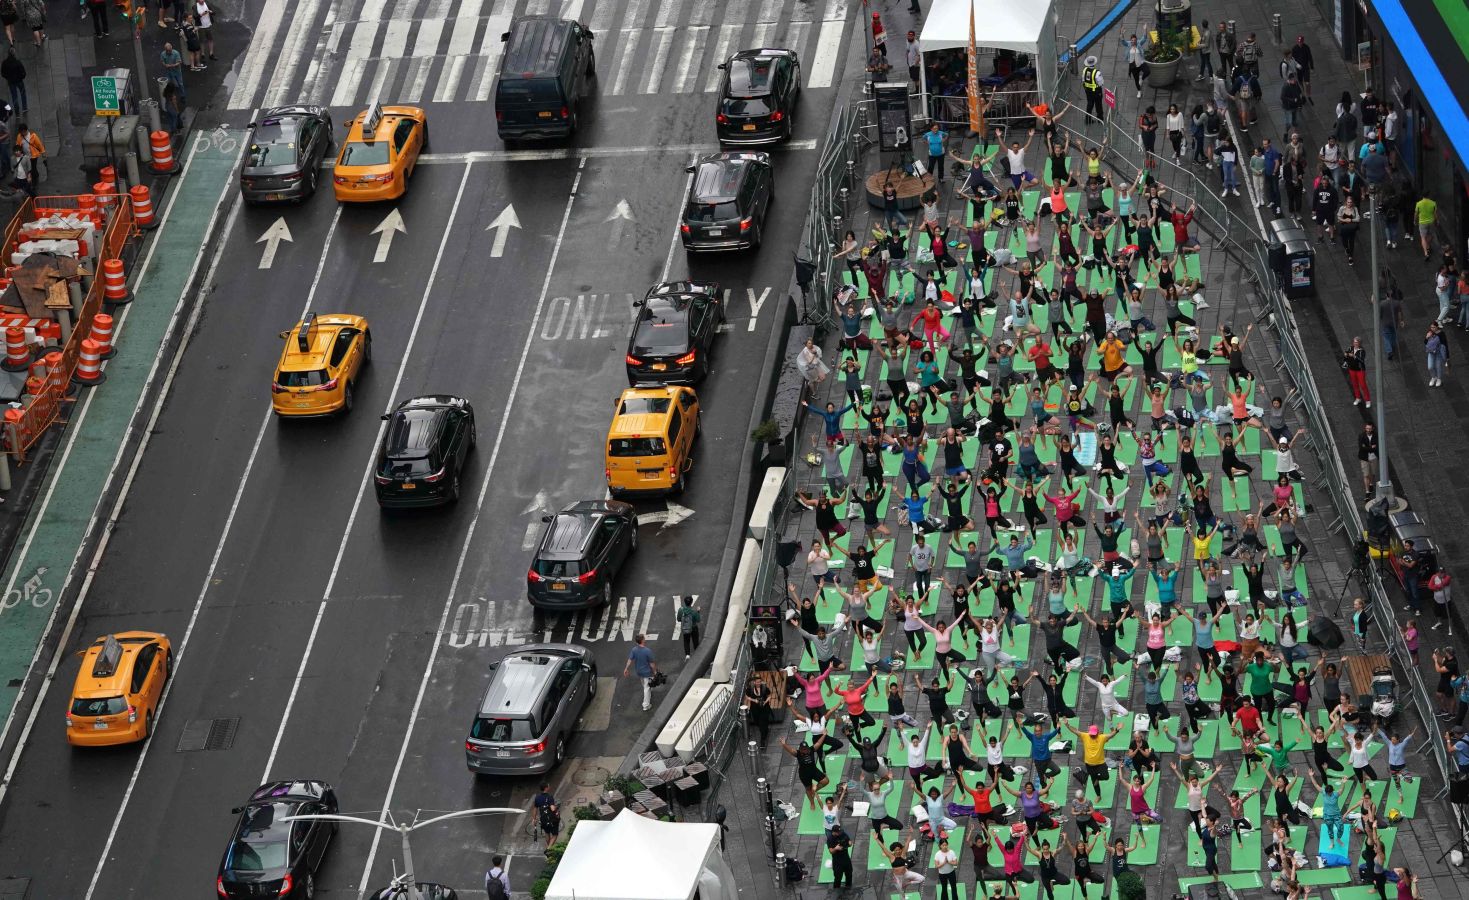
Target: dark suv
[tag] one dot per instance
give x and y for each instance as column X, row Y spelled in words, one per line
column 758, row 96
column 728, row 201
column 423, row 451
column 673, row 333
column 547, row 69
column 581, row 551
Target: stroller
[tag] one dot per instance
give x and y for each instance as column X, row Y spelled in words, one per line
column 1384, row 696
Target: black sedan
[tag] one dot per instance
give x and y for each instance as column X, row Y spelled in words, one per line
column 421, row 459
column 673, row 334
column 728, row 201
column 284, row 155
column 758, row 95
column 270, row 857
column 581, row 551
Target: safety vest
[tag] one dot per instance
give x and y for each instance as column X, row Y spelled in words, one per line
column 1089, row 78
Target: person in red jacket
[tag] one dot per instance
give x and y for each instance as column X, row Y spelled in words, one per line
column 1182, row 241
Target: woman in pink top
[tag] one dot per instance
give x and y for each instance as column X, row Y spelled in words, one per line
column 1157, row 638
column 943, row 643
column 1282, row 497
column 1014, row 868
column 1066, row 514
column 815, row 700
column 1137, row 799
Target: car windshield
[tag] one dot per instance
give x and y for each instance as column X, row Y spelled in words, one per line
column 308, row 378
column 711, row 212
column 715, row 181
column 558, row 568
column 357, row 153
column 502, row 729
column 98, row 706
column 273, row 143
column 749, row 77
column 635, row 446
column 642, row 406
column 655, row 335
column 746, row 106
column 258, row 856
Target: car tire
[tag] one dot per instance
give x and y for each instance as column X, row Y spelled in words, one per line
column 347, row 399
column 575, row 121
column 634, row 545
column 424, row 149
column 592, row 64
column 311, row 180
column 454, row 487
column 759, row 234
column 592, row 682
column 310, row 886
column 148, row 725
column 367, row 347
column 560, row 750
column 607, row 593
column 167, row 666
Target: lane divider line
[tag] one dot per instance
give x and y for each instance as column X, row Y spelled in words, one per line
column 479, row 506
column 441, row 159
column 183, row 644
column 366, row 474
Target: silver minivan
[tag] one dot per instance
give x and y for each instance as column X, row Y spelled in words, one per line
column 530, row 709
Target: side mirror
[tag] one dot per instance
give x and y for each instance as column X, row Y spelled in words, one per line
column 504, row 36
column 689, row 169
column 720, row 67
column 588, row 33
column 637, row 303
column 250, row 125
column 285, row 334
column 545, row 518
column 384, row 417
column 237, row 810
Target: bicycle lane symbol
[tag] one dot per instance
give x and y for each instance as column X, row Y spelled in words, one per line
column 32, row 592
column 221, row 139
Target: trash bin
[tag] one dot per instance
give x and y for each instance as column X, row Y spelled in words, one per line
column 1292, row 259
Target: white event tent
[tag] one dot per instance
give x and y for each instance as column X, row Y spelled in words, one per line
column 1028, row 26
column 633, row 857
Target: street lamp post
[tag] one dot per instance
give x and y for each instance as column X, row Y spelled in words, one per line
column 406, row 829
column 1383, row 490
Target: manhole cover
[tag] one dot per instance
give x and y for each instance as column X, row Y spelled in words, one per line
column 590, row 776
column 208, row 734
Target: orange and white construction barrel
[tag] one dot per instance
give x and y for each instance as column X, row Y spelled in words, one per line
column 143, row 207
column 163, row 159
column 115, row 283
column 102, row 334
column 89, row 365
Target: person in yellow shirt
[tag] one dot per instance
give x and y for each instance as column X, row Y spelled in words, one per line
column 1094, row 752
column 1426, row 212
column 1113, row 363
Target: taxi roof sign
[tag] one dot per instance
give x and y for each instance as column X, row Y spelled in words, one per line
column 303, row 335
column 371, row 120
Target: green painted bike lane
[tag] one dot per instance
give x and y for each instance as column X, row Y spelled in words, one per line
column 47, row 557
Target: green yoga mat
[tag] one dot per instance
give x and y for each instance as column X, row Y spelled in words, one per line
column 1238, row 880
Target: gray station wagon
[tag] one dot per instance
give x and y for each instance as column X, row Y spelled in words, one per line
column 530, row 709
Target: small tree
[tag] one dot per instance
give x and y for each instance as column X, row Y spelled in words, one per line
column 1130, row 887
column 1172, row 44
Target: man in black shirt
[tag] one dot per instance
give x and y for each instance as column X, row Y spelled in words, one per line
column 839, row 844
column 1367, row 454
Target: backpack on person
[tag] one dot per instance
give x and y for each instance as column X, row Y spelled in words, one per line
column 494, row 887
column 1346, row 126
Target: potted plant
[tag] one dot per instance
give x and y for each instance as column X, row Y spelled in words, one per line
column 1130, row 886
column 1165, row 55
column 767, row 433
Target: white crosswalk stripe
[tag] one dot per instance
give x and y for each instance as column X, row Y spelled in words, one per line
column 346, row 52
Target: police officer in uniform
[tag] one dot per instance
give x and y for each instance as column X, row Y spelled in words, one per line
column 1091, row 81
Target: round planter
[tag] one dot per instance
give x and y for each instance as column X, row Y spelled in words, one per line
column 1163, row 74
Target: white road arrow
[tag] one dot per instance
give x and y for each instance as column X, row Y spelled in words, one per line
column 505, row 221
column 666, row 518
column 621, row 217
column 272, row 239
column 394, row 222
column 535, row 509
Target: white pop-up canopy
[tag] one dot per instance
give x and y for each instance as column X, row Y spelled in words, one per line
column 637, row 858
column 1025, row 27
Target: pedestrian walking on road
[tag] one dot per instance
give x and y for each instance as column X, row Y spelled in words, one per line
column 21, row 163
column 34, row 13
column 1354, row 363
column 98, row 11
column 1437, row 349
column 640, row 660
column 204, row 18
column 1206, row 59
column 688, row 626
column 9, row 15
column 1426, row 214
column 1348, row 220
column 189, row 34
column 497, row 880
column 1367, row 457
column 14, row 73
column 35, row 148
column 173, row 66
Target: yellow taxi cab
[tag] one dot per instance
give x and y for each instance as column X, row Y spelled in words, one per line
column 379, row 153
column 320, row 363
column 118, row 689
column 651, row 442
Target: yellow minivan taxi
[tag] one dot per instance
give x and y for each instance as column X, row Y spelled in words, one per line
column 650, row 444
column 118, row 689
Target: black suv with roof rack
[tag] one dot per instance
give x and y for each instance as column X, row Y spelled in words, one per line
column 728, row 201
column 758, row 96
column 581, row 551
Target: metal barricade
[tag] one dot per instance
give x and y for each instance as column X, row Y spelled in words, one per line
column 837, row 190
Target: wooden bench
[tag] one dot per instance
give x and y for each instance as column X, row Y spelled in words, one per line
column 1358, row 669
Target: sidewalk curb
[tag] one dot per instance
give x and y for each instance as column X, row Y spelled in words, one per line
column 703, row 655
column 100, row 523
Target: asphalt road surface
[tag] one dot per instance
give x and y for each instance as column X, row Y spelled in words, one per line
column 351, row 645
